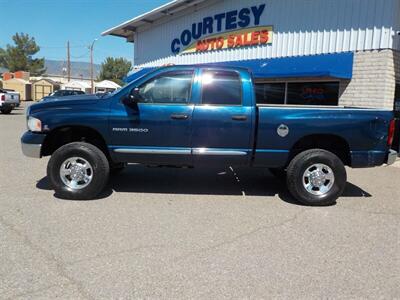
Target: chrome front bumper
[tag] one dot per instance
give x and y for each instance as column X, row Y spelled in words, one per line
column 32, row 150
column 392, row 156
column 31, row 144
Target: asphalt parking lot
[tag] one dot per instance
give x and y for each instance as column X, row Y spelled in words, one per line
column 191, row 233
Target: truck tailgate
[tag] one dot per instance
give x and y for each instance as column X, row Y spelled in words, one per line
column 11, row 98
column 8, row 98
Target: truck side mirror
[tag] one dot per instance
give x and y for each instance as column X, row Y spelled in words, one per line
column 133, row 97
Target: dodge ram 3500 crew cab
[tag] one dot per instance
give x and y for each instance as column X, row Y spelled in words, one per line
column 203, row 116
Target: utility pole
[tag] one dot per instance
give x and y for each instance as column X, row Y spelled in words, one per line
column 91, row 66
column 68, row 63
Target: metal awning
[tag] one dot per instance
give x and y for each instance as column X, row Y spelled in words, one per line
column 127, row 28
column 338, row 65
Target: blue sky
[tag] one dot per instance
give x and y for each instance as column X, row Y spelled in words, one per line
column 53, row 22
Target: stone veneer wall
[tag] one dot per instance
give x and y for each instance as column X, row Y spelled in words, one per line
column 373, row 82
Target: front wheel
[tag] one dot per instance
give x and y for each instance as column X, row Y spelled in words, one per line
column 78, row 171
column 316, row 177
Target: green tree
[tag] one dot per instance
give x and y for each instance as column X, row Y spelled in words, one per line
column 115, row 69
column 2, row 57
column 20, row 56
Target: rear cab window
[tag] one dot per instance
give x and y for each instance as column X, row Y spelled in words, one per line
column 221, row 87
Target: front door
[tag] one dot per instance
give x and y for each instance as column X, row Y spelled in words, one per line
column 156, row 129
column 222, row 121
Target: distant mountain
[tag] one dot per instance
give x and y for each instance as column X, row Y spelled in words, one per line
column 78, row 69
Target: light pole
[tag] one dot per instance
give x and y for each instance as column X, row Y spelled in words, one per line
column 91, row 66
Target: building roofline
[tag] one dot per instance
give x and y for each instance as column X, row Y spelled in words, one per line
column 127, row 28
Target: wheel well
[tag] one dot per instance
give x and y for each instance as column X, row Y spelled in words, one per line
column 64, row 135
column 332, row 143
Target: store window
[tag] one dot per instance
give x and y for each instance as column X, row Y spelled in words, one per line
column 313, row 93
column 397, row 92
column 396, row 139
column 397, row 100
column 270, row 93
column 298, row 93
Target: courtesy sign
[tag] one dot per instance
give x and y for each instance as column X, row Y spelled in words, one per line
column 231, row 29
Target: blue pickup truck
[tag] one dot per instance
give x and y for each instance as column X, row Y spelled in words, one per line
column 193, row 116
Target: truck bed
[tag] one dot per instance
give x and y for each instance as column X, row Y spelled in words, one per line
column 280, row 128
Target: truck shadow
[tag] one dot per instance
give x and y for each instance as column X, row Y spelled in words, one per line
column 13, row 113
column 202, row 181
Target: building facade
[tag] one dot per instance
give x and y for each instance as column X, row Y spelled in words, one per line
column 22, row 86
column 106, row 86
column 43, row 87
column 289, row 35
column 77, row 85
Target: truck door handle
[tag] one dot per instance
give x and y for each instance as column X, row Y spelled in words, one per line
column 179, row 117
column 239, row 118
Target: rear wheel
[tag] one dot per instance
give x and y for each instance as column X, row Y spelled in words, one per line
column 78, row 171
column 316, row 177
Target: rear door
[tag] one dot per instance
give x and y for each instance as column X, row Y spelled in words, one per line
column 223, row 119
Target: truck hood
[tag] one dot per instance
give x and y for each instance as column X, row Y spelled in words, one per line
column 64, row 102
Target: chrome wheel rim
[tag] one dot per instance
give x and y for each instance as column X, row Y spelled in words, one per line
column 318, row 179
column 76, row 173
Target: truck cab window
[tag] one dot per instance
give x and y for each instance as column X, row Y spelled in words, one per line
column 169, row 88
column 221, row 88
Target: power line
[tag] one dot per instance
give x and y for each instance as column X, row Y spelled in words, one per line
column 59, row 47
column 80, row 56
column 113, row 53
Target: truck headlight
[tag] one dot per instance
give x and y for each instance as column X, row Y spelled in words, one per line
column 34, row 125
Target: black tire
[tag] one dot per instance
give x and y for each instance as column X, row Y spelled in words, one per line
column 278, row 173
column 6, row 111
column 91, row 154
column 305, row 160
